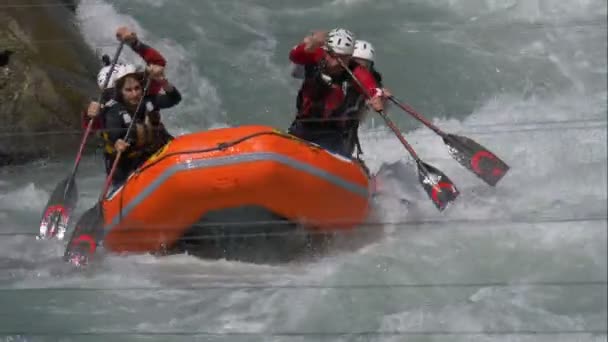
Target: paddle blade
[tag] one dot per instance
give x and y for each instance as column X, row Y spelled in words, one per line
column 58, row 210
column 437, row 185
column 86, row 235
column 399, row 181
column 485, row 164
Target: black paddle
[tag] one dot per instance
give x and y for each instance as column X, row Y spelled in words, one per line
column 89, row 228
column 485, row 164
column 58, row 210
column 436, row 184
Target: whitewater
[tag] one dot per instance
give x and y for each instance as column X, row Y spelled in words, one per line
column 523, row 261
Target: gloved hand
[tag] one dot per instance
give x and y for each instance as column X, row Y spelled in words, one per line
column 124, row 34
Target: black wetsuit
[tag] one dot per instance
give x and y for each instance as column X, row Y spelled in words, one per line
column 353, row 108
column 116, row 123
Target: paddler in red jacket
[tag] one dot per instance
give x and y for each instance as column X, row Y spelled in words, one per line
column 319, row 118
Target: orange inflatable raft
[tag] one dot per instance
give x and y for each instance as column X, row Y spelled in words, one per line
column 197, row 176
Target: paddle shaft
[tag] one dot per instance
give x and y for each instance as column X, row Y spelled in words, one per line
column 388, row 121
column 108, row 181
column 432, row 179
column 90, row 125
column 417, row 115
column 466, row 151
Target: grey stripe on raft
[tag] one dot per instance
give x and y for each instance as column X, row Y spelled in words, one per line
column 222, row 161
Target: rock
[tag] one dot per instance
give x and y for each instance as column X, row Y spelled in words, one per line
column 46, row 83
column 5, row 57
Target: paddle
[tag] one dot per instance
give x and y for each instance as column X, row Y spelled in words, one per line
column 58, row 210
column 89, row 228
column 437, row 185
column 479, row 160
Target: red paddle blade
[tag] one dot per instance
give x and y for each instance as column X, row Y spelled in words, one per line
column 437, row 185
column 58, row 211
column 86, row 235
column 485, row 164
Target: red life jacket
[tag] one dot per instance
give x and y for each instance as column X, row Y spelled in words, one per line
column 320, row 96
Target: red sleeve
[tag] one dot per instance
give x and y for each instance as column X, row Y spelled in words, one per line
column 367, row 80
column 155, row 87
column 150, row 55
column 299, row 55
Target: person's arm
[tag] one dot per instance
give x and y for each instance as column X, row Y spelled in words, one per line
column 367, row 80
column 94, row 109
column 86, row 118
column 371, row 88
column 150, row 55
column 117, row 121
column 170, row 98
column 309, row 51
column 300, row 56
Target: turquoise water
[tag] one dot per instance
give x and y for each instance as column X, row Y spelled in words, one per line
column 526, row 79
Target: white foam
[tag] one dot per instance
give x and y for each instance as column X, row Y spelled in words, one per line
column 520, row 37
column 151, row 3
column 556, row 171
column 550, row 164
column 529, row 10
column 28, row 197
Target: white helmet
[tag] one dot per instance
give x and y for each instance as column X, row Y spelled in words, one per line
column 364, row 50
column 124, row 70
column 341, row 41
column 101, row 75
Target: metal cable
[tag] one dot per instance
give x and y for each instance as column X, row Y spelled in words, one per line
column 312, row 334
column 504, row 284
column 413, row 225
column 509, row 128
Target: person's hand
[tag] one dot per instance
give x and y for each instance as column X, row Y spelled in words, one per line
column 315, row 39
column 124, row 34
column 121, row 145
column 377, row 103
column 156, row 72
column 93, row 109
